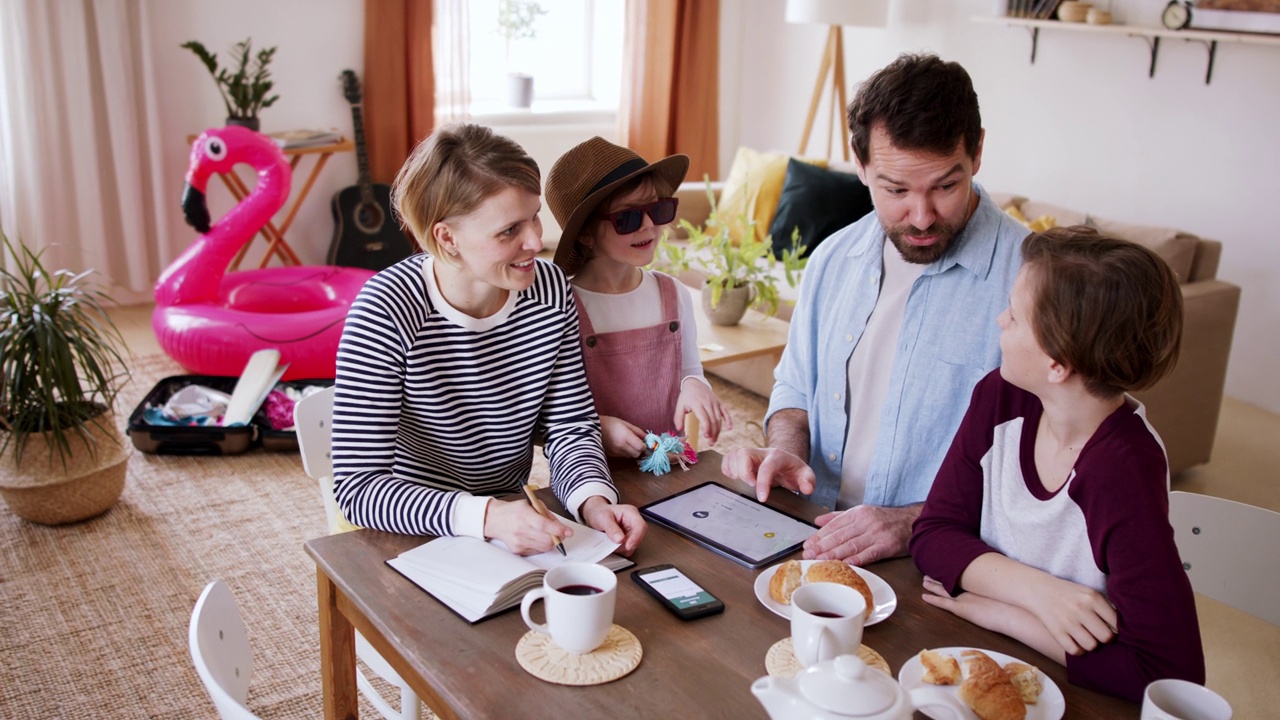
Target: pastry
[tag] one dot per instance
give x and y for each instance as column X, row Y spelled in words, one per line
column 939, row 669
column 987, row 689
column 785, row 581
column 840, row 572
column 1026, row 678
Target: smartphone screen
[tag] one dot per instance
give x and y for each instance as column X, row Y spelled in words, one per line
column 680, row 594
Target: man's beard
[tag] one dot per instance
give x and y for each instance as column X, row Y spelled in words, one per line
column 923, row 254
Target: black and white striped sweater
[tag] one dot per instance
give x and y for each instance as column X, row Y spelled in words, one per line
column 429, row 414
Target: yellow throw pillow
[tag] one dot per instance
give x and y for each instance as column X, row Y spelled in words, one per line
column 1040, row 224
column 752, row 190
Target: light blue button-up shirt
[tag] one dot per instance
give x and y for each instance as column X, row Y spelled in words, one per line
column 948, row 341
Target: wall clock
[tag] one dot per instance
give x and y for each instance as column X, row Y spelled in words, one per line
column 1176, row 15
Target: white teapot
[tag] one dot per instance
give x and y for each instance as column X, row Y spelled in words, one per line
column 845, row 688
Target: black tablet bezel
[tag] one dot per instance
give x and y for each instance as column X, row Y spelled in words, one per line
column 738, row 557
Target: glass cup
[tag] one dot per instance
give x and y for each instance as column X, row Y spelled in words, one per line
column 579, row 600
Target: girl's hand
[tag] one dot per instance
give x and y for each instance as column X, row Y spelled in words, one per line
column 1078, row 617
column 522, row 528
column 621, row 438
column 697, row 398
column 622, row 523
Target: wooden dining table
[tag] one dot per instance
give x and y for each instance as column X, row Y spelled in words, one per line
column 701, row 668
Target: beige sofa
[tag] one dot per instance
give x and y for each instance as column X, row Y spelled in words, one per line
column 1183, row 407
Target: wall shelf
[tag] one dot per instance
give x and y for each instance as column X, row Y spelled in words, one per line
column 1150, row 35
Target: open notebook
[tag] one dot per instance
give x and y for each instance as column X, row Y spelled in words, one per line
column 477, row 579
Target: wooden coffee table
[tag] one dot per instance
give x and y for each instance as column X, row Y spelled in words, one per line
column 756, row 335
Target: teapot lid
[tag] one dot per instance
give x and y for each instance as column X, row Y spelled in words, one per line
column 846, row 686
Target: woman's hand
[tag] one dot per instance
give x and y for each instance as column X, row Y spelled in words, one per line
column 697, row 398
column 621, row 438
column 522, row 529
column 622, row 523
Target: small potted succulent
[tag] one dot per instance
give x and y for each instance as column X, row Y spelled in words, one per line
column 245, row 84
column 741, row 268
column 62, row 455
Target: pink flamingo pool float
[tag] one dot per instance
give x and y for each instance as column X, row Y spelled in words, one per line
column 210, row 320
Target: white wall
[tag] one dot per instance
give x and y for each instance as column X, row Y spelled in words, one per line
column 1084, row 127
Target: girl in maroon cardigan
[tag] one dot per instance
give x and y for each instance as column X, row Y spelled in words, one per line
column 1049, row 518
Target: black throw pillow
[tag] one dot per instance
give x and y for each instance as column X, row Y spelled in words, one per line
column 819, row 202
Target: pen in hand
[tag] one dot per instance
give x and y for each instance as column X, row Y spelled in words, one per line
column 541, row 509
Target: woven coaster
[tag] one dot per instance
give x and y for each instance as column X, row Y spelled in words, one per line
column 618, row 655
column 781, row 659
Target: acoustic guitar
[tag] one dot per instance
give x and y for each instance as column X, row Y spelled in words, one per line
column 366, row 234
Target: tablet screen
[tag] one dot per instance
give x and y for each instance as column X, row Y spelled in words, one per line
column 731, row 524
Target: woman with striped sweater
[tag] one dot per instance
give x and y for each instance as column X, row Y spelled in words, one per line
column 452, row 361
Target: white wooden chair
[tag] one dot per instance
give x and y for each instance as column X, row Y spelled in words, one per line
column 220, row 651
column 1229, row 550
column 312, row 417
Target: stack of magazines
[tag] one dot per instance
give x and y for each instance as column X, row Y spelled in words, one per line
column 1032, row 9
column 290, row 139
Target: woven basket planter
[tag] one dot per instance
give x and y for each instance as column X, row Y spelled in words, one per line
column 43, row 491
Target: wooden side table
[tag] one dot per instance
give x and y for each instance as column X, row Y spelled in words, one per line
column 276, row 244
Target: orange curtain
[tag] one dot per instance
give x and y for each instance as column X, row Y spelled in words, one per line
column 670, row 96
column 399, row 82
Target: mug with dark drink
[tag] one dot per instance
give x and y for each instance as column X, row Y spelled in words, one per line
column 826, row 621
column 578, row 602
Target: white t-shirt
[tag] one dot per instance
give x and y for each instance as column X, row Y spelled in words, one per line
column 869, row 368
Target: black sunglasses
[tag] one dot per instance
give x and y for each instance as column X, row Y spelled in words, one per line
column 629, row 220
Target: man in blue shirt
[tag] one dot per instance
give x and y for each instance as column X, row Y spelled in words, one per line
column 896, row 319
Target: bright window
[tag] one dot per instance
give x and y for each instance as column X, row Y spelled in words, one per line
column 574, row 56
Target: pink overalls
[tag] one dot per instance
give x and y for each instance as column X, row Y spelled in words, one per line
column 635, row 374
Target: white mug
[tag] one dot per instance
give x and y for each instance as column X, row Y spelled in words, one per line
column 1171, row 699
column 826, row 621
column 579, row 599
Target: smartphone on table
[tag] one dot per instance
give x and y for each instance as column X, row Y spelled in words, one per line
column 677, row 592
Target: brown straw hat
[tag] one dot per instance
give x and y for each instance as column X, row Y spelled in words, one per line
column 585, row 175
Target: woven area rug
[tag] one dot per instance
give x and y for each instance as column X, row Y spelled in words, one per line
column 93, row 616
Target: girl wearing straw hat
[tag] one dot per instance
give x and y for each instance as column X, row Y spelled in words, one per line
column 452, row 361
column 639, row 338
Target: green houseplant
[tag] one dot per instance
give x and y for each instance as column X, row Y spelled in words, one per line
column 516, row 21
column 741, row 271
column 62, row 455
column 245, row 84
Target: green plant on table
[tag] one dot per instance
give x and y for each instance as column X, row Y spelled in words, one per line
column 730, row 262
column 59, row 366
column 245, row 84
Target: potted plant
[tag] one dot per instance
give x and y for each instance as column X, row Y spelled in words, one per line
column 516, row 20
column 62, row 455
column 244, row 90
column 741, row 271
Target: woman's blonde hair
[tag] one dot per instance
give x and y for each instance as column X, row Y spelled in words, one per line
column 452, row 172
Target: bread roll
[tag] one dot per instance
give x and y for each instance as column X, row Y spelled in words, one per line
column 987, row 689
column 1026, row 678
column 840, row 572
column 785, row 581
column 939, row 669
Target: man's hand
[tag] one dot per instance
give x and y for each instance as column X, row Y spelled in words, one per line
column 621, row 438
column 766, row 467
column 697, row 398
column 862, row 535
column 521, row 527
column 622, row 523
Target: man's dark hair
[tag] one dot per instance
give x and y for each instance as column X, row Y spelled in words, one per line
column 922, row 102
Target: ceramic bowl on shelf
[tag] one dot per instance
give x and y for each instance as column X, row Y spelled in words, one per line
column 1072, row 11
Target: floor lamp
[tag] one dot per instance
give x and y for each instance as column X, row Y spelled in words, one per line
column 835, row 14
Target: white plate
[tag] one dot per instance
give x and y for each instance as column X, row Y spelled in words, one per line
column 1050, row 706
column 883, row 595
